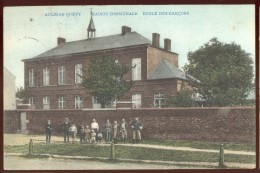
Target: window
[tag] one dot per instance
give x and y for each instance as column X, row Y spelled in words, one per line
column 31, row 78
column 78, row 102
column 46, row 102
column 136, row 69
column 61, row 75
column 46, row 77
column 61, row 102
column 31, row 100
column 95, row 103
column 159, row 100
column 78, row 73
column 136, row 99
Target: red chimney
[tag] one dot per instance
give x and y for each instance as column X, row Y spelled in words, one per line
column 61, row 40
column 167, row 44
column 125, row 29
column 156, row 40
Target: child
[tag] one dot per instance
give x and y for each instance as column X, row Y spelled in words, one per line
column 100, row 136
column 82, row 134
column 73, row 131
column 93, row 137
column 88, row 134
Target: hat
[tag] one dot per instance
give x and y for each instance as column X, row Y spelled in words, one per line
column 123, row 120
column 94, row 120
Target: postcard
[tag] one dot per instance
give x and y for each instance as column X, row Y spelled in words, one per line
column 129, row 87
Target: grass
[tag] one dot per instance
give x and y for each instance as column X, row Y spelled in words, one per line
column 125, row 152
column 202, row 145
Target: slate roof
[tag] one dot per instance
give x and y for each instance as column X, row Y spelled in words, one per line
column 166, row 70
column 94, row 44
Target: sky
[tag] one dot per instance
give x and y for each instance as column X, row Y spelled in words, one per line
column 30, row 31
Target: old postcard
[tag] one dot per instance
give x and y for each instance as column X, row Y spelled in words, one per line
column 129, row 87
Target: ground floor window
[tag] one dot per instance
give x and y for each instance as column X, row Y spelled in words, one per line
column 31, row 100
column 61, row 102
column 159, row 100
column 136, row 99
column 78, row 102
column 46, row 102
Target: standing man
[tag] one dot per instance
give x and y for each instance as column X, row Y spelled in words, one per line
column 123, row 129
column 94, row 126
column 115, row 128
column 66, row 126
column 48, row 130
column 137, row 126
column 108, row 129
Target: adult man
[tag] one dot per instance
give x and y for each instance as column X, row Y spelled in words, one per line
column 94, row 126
column 66, row 126
column 115, row 129
column 123, row 129
column 48, row 130
column 108, row 129
column 137, row 127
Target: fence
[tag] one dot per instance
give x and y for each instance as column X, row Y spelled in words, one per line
column 112, row 150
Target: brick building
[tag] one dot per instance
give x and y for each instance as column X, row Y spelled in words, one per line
column 51, row 80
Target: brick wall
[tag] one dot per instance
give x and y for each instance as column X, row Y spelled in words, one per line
column 201, row 124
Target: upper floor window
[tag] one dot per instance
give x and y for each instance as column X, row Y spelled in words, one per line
column 46, row 76
column 46, row 102
column 61, row 102
column 136, row 99
column 31, row 100
column 31, row 78
column 61, row 75
column 78, row 73
column 136, row 69
column 78, row 102
column 159, row 100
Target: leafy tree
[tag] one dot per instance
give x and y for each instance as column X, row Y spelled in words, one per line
column 104, row 78
column 20, row 93
column 224, row 70
column 182, row 99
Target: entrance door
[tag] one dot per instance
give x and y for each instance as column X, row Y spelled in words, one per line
column 24, row 122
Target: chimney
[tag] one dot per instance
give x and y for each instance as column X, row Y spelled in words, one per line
column 125, row 29
column 156, row 40
column 167, row 44
column 61, row 40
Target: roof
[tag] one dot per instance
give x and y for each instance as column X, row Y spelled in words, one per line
column 166, row 70
column 100, row 43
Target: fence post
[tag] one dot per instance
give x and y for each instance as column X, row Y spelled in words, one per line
column 113, row 155
column 221, row 156
column 30, row 147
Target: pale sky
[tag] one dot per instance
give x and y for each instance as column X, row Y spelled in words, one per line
column 22, row 25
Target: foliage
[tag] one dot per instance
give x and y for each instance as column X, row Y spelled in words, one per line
column 104, row 78
column 182, row 99
column 224, row 70
column 20, row 93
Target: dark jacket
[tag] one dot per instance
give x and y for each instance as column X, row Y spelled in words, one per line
column 66, row 127
column 48, row 128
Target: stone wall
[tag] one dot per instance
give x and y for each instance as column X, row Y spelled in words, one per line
column 196, row 124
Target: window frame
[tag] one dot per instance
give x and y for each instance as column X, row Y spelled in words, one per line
column 47, row 99
column 160, row 105
column 61, row 102
column 46, row 76
column 78, row 102
column 136, row 69
column 61, row 75
column 31, row 78
column 138, row 105
column 78, row 71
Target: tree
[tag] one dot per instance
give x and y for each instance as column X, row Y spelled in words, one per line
column 20, row 93
column 182, row 99
column 224, row 70
column 104, row 78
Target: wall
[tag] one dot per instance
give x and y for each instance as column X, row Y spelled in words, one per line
column 154, row 57
column 199, row 124
column 9, row 91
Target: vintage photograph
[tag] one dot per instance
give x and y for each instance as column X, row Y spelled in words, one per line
column 129, row 87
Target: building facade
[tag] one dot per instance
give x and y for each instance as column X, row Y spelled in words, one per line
column 52, row 81
column 9, row 90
